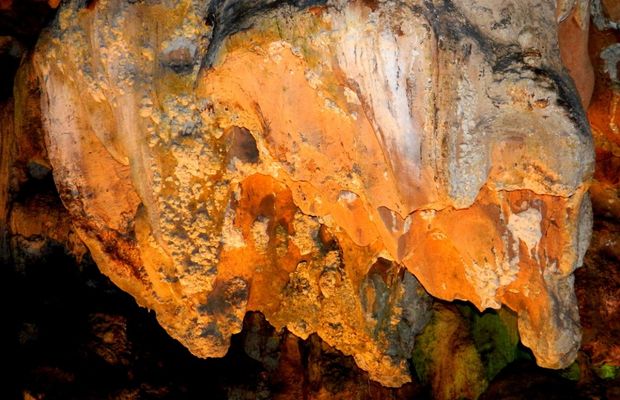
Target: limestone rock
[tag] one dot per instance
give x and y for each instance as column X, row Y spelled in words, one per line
column 33, row 221
column 573, row 34
column 313, row 160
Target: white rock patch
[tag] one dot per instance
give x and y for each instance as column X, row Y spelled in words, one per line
column 525, row 226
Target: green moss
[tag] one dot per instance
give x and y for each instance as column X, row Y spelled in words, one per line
column 446, row 358
column 495, row 335
column 573, row 372
column 496, row 338
column 423, row 352
column 608, row 371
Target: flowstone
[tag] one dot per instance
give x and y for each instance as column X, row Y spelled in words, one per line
column 324, row 162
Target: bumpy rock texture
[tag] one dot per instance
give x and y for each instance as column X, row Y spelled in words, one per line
column 321, row 162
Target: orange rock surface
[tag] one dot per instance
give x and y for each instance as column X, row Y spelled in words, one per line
column 321, row 162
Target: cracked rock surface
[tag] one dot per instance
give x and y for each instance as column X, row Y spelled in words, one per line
column 326, row 163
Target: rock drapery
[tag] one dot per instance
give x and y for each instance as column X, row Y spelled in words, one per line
column 321, row 162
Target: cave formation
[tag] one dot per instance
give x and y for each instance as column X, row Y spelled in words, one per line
column 376, row 178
